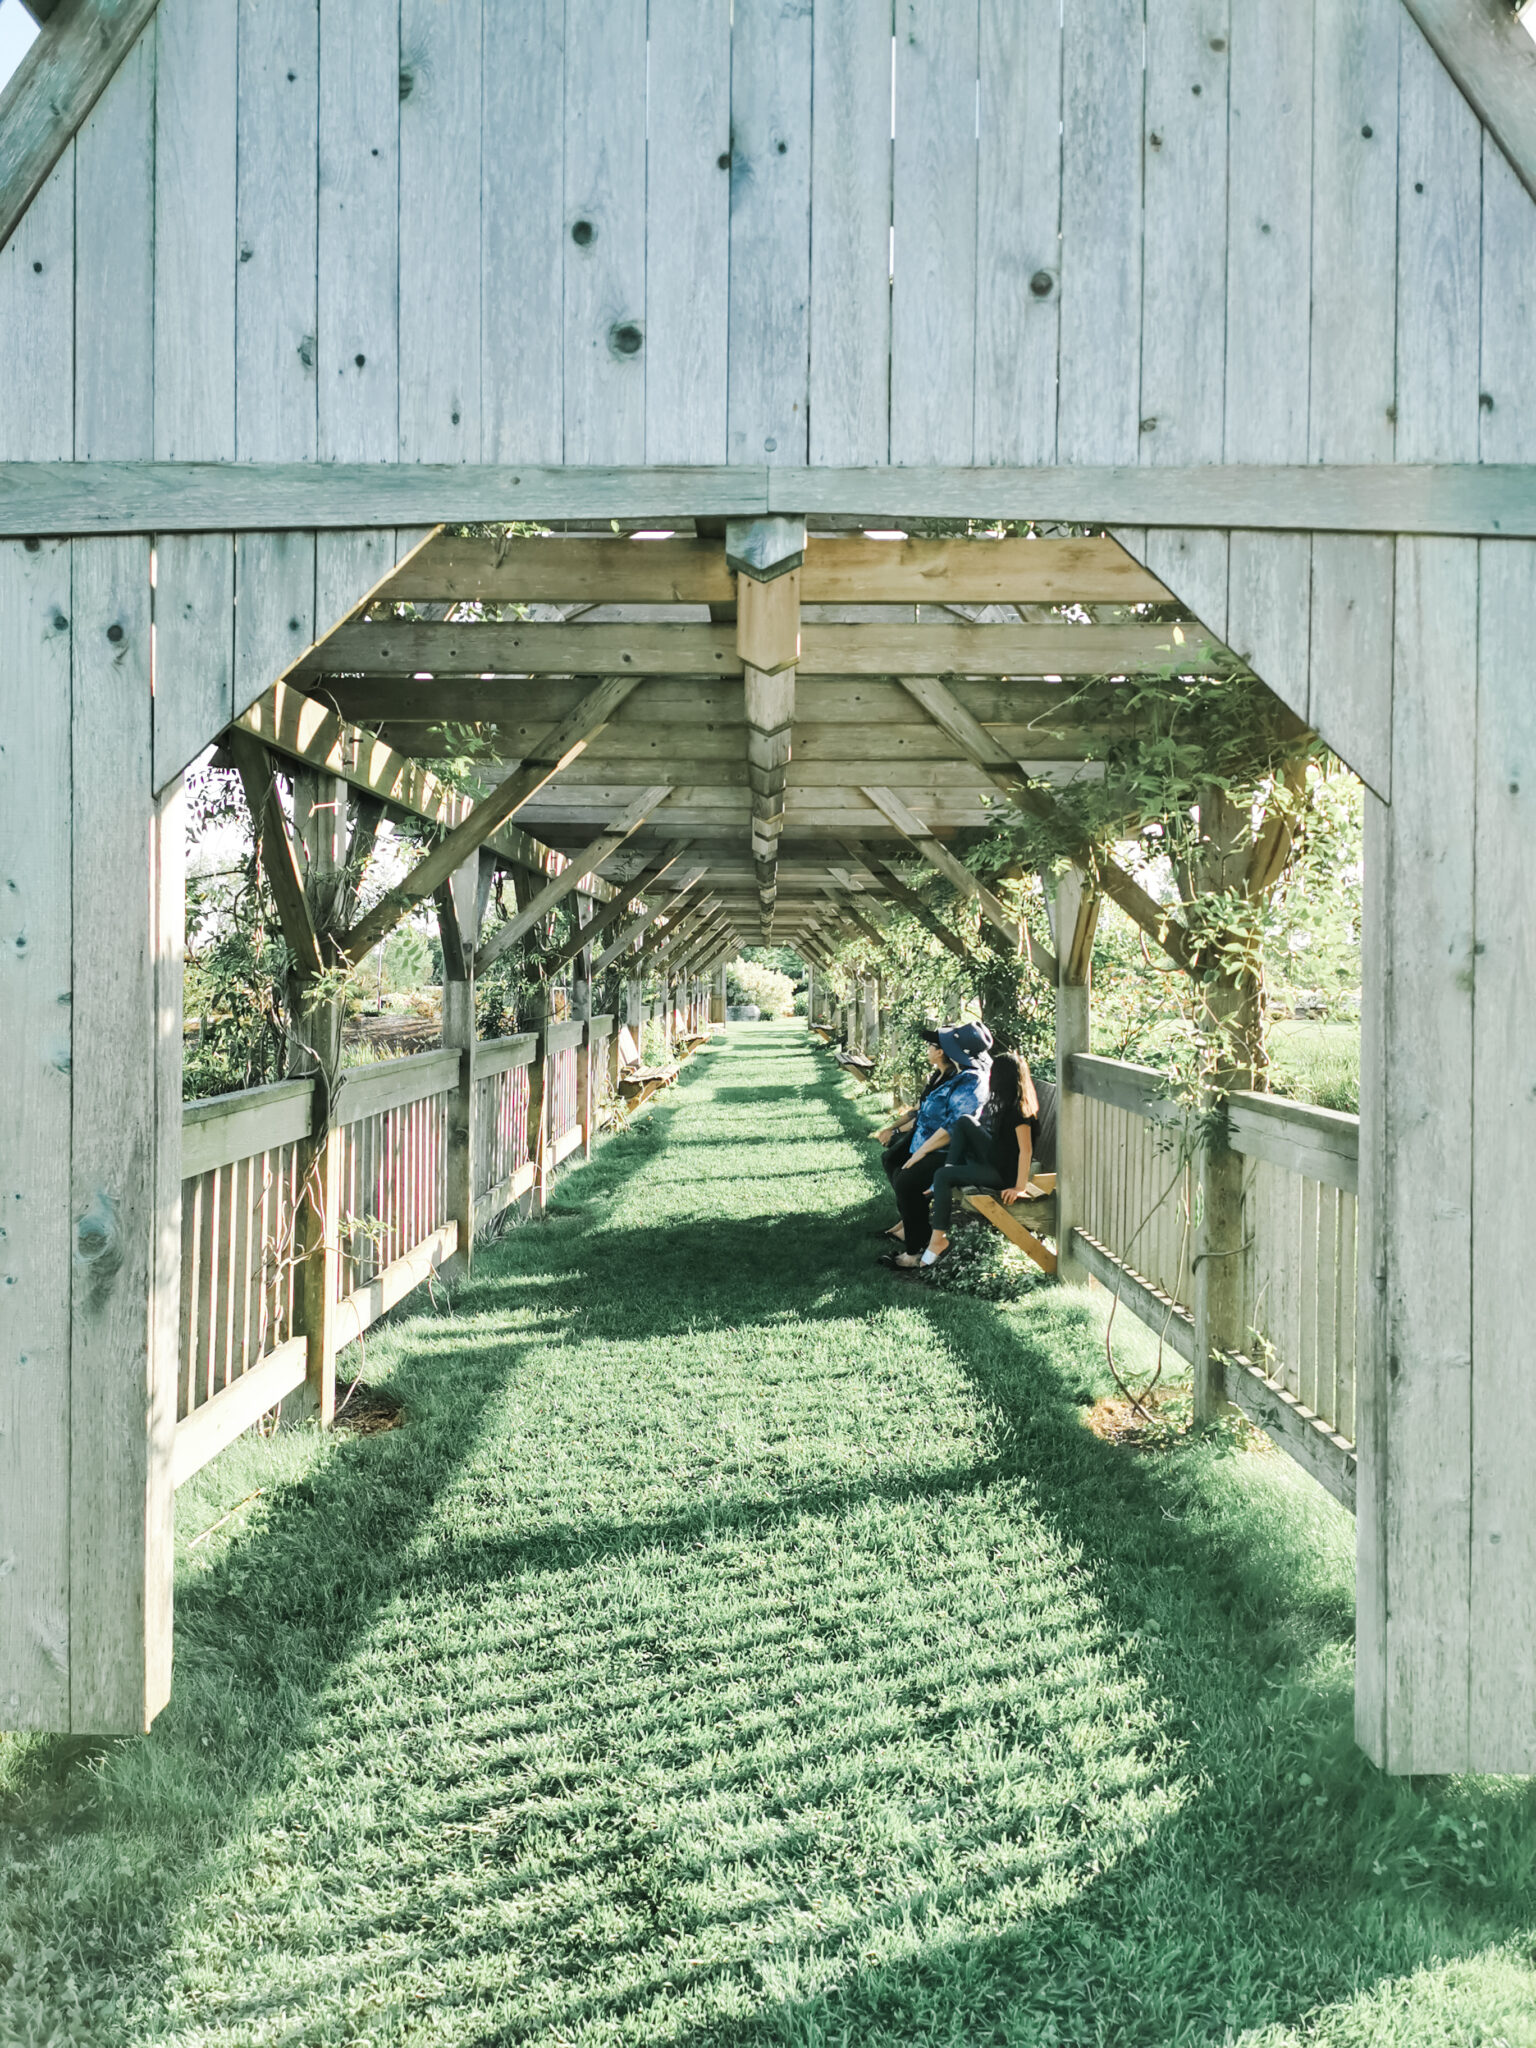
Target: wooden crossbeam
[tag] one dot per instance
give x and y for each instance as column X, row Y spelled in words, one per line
column 838, row 569
column 301, row 728
column 578, row 870
column 254, row 766
column 951, row 716
column 866, row 926
column 878, row 648
column 560, row 745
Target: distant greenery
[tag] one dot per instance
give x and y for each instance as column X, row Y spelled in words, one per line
column 740, row 1648
column 771, row 988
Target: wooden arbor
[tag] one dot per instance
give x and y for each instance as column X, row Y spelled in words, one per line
column 295, row 283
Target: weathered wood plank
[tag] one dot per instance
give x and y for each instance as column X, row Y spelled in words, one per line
column 119, row 1467
column 1018, row 220
column 1503, row 1400
column 687, row 232
column 276, row 295
column 1166, row 1319
column 1507, row 423
column 37, row 318
column 441, row 67
column 933, row 292
column 1493, row 61
column 524, row 233
column 393, row 1084
column 769, row 339
column 1319, row 1450
column 850, row 287
column 1098, row 404
column 35, row 1127
column 1320, row 1144
column 114, row 266
column 214, row 1425
column 53, row 89
column 1477, row 500
column 357, row 365
column 195, row 234
column 606, row 348
column 223, row 1128
column 1349, row 697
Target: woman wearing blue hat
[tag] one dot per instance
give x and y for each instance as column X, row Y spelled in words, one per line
column 963, row 1051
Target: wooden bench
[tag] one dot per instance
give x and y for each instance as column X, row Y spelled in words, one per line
column 638, row 1082
column 856, row 1062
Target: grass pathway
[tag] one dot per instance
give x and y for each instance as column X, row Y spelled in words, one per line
column 739, row 1646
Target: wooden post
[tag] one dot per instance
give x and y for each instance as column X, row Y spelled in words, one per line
column 581, row 1010
column 460, row 908
column 872, row 1017
column 538, row 1108
column 1217, row 1265
column 1073, row 1035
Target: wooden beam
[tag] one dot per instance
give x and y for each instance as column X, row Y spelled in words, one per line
column 53, row 89
column 1480, row 500
column 838, row 569
column 1491, row 57
column 952, row 718
column 560, row 745
column 254, row 766
column 411, row 647
column 937, row 855
column 867, row 926
column 303, row 729
column 572, row 876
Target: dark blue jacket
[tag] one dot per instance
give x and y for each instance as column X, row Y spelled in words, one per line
column 961, row 1095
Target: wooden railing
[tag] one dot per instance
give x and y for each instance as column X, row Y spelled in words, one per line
column 1294, row 1374
column 248, row 1161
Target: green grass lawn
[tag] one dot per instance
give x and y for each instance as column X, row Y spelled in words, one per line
column 740, row 1646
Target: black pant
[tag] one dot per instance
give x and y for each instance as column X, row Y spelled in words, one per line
column 912, row 1184
column 894, row 1157
column 969, row 1163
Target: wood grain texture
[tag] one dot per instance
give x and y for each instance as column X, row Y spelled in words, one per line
column 605, row 347
column 37, row 318
column 687, row 232
column 769, row 342
column 850, row 305
column 114, row 265
column 1098, row 403
column 357, row 364
column 274, row 610
column 1502, row 1735
column 1018, row 230
column 115, row 1554
column 35, row 1125
column 1439, row 283
column 194, row 647
column 441, row 67
column 933, row 293
column 53, row 89
column 1493, row 61
column 523, row 233
column 1349, row 700
column 195, row 234
column 1425, row 1435
column 1507, row 422
column 277, row 152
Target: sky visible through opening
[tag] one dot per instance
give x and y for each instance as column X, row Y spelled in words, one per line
column 17, row 29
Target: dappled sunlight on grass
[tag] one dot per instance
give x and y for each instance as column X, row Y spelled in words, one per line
column 737, row 1645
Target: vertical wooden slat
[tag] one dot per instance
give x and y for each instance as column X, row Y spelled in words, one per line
column 358, row 227
column 524, row 233
column 195, row 237
column 1098, row 403
column 440, row 165
column 190, row 1232
column 1306, row 1270
column 207, row 1252
column 769, row 340
column 933, row 296
column 1018, row 226
column 1345, row 1408
column 35, row 1121
column 1507, row 426
column 850, row 310
column 606, row 346
column 223, row 1319
column 1326, row 1304
column 114, row 266
column 1503, row 1397
column 687, row 231
column 37, row 318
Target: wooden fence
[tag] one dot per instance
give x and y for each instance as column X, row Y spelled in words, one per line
column 248, row 1159
column 1134, row 1203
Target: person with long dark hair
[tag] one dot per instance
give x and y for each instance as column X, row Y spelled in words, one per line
column 992, row 1150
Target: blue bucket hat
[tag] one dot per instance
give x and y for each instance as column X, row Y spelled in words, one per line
column 963, row 1043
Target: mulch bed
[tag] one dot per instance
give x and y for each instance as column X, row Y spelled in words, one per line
column 365, row 1410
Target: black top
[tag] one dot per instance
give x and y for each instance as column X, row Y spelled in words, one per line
column 1005, row 1141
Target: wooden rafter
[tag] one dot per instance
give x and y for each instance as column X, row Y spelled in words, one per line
column 910, row 901
column 641, row 924
column 578, row 870
column 559, row 746
column 408, row 648
column 608, row 915
column 254, row 766
column 937, row 855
